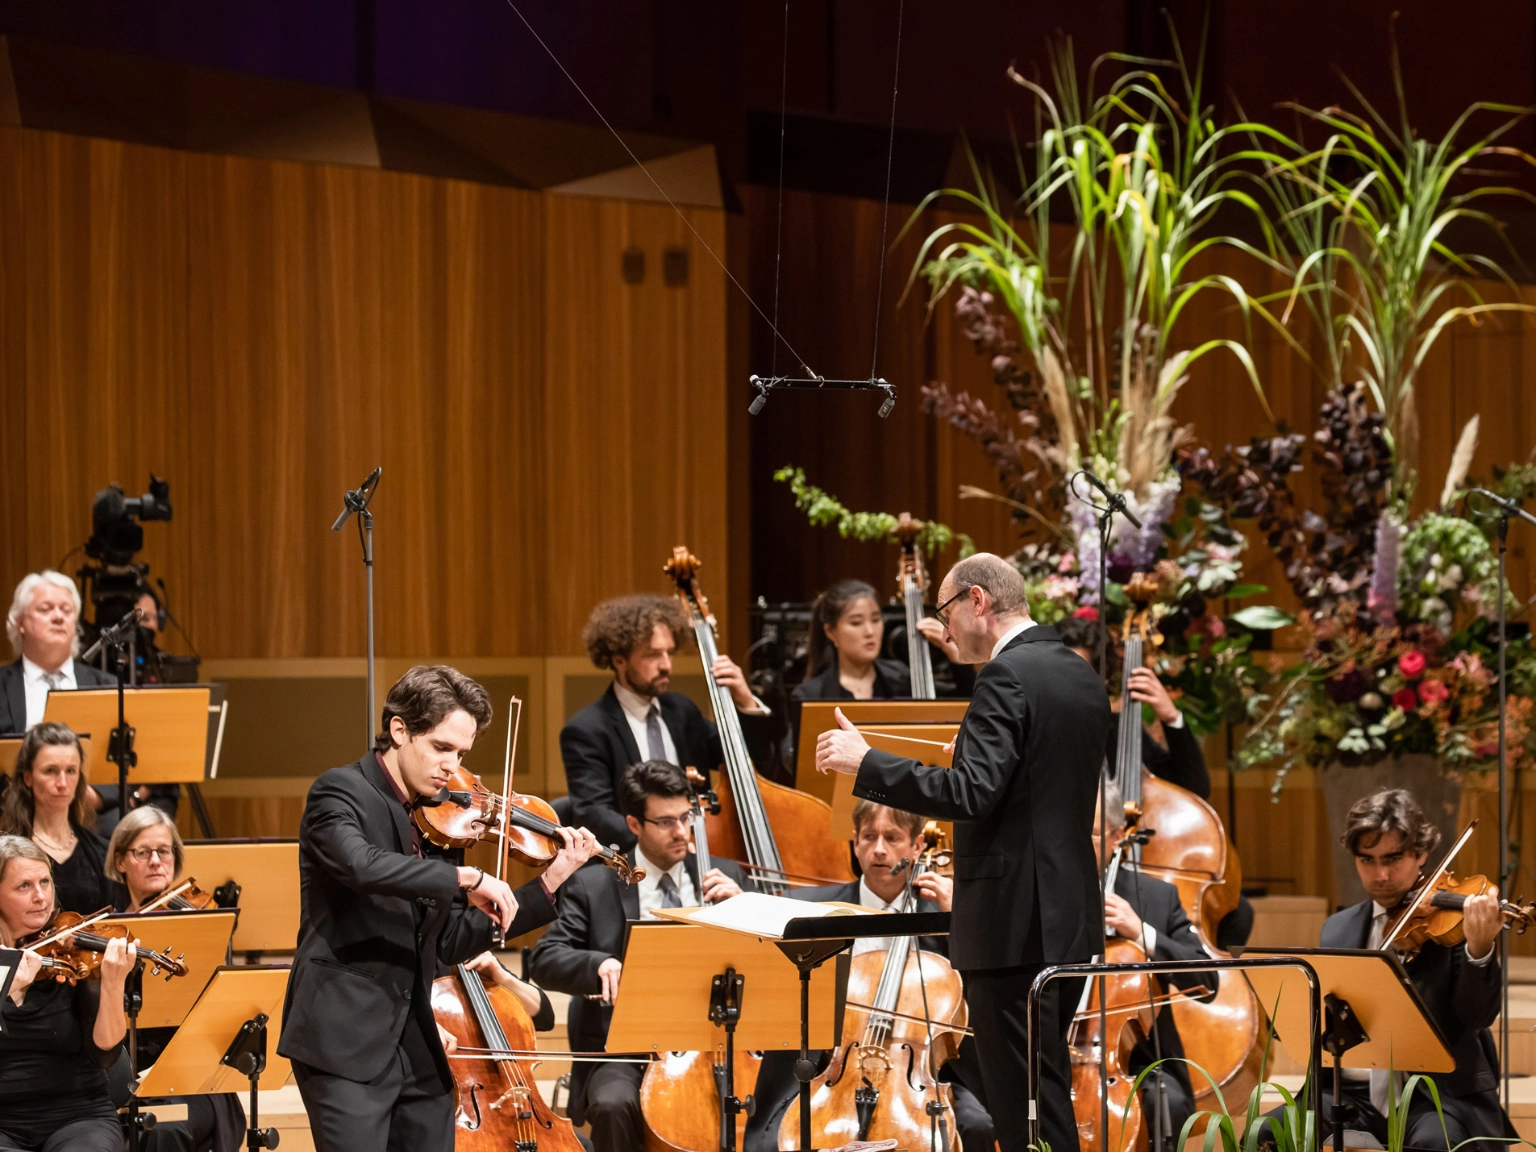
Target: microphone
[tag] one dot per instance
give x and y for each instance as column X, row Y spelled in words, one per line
column 887, row 407
column 112, row 635
column 1116, row 500
column 357, row 499
column 757, row 404
column 901, row 866
column 1507, row 507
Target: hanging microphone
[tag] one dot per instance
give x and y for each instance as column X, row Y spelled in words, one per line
column 885, row 409
column 1116, row 500
column 357, row 499
column 900, row 866
column 757, row 404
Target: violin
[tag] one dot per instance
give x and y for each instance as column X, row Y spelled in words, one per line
column 904, row 1007
column 682, row 1093
column 499, row 1106
column 188, row 897
column 779, row 833
column 1432, row 911
column 78, row 951
column 465, row 812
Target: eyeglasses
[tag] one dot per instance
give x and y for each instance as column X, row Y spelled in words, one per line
column 143, row 855
column 667, row 823
column 941, row 611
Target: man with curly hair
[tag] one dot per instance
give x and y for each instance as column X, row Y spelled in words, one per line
column 638, row 717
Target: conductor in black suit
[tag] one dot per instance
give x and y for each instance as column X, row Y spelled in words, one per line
column 638, row 718
column 582, row 953
column 1391, row 841
column 43, row 627
column 377, row 918
column 1022, row 792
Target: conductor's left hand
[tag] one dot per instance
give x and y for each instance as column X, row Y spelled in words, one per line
column 495, row 899
column 579, row 847
column 842, row 749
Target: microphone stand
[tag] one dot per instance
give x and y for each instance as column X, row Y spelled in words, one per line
column 1505, row 509
column 357, row 500
column 1113, row 502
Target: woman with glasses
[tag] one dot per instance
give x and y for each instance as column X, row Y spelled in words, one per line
column 47, row 803
column 143, row 859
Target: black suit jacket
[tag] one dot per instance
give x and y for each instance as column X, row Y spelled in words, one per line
column 1462, row 997
column 13, row 694
column 597, row 744
column 592, row 926
column 1021, row 793
column 374, row 922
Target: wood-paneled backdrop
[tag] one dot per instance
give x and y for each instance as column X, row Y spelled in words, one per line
column 263, row 333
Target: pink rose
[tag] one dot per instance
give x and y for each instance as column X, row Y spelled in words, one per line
column 1405, row 699
column 1433, row 691
column 1411, row 663
column 1086, row 612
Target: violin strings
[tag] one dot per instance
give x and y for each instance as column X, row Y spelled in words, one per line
column 638, row 164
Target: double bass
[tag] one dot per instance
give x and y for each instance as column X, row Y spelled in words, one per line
column 903, row 1005
column 682, row 1093
column 912, row 580
column 1188, row 848
column 498, row 1107
column 777, row 831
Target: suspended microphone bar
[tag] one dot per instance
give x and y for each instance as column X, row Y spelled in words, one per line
column 873, row 384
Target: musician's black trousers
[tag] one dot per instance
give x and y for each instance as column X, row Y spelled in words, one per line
column 998, row 1000
column 396, row 1111
column 613, row 1107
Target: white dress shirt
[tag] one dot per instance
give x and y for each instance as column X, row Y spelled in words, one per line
column 35, row 682
column 867, row 899
column 636, row 707
column 1007, row 637
column 650, row 887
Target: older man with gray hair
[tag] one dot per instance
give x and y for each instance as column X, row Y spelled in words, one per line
column 43, row 627
column 1021, row 791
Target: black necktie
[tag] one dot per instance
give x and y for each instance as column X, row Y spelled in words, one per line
column 658, row 747
column 668, row 889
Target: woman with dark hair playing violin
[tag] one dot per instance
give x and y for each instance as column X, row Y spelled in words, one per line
column 144, row 858
column 57, row 1037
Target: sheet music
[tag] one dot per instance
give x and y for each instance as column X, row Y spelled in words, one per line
column 764, row 915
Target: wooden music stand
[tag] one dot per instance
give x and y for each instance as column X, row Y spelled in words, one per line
column 171, row 727
column 190, row 1066
column 201, row 938
column 268, row 874
column 10, row 748
column 1375, row 1017
column 892, row 716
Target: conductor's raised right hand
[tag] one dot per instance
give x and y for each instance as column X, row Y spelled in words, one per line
column 495, row 899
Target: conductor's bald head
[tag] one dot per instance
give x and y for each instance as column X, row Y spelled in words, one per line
column 980, row 599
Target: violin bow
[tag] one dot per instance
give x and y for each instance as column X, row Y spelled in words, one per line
column 73, row 928
column 515, row 708
column 1426, row 890
column 166, row 897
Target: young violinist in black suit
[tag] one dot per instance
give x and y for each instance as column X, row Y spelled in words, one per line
column 1022, row 793
column 1391, row 841
column 638, row 718
column 377, row 918
column 582, row 953
column 1147, row 912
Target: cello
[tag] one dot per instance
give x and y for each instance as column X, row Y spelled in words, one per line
column 777, row 831
column 880, row 1082
column 681, row 1093
column 1189, row 849
column 498, row 1107
column 912, row 580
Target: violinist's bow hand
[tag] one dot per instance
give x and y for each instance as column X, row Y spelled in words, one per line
column 842, row 749
column 495, row 899
column 1481, row 922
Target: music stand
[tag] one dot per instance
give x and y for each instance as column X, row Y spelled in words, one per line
column 222, row 1044
column 10, row 748
column 1374, row 1015
column 200, row 938
column 267, row 872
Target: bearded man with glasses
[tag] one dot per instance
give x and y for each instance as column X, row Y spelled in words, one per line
column 582, row 953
